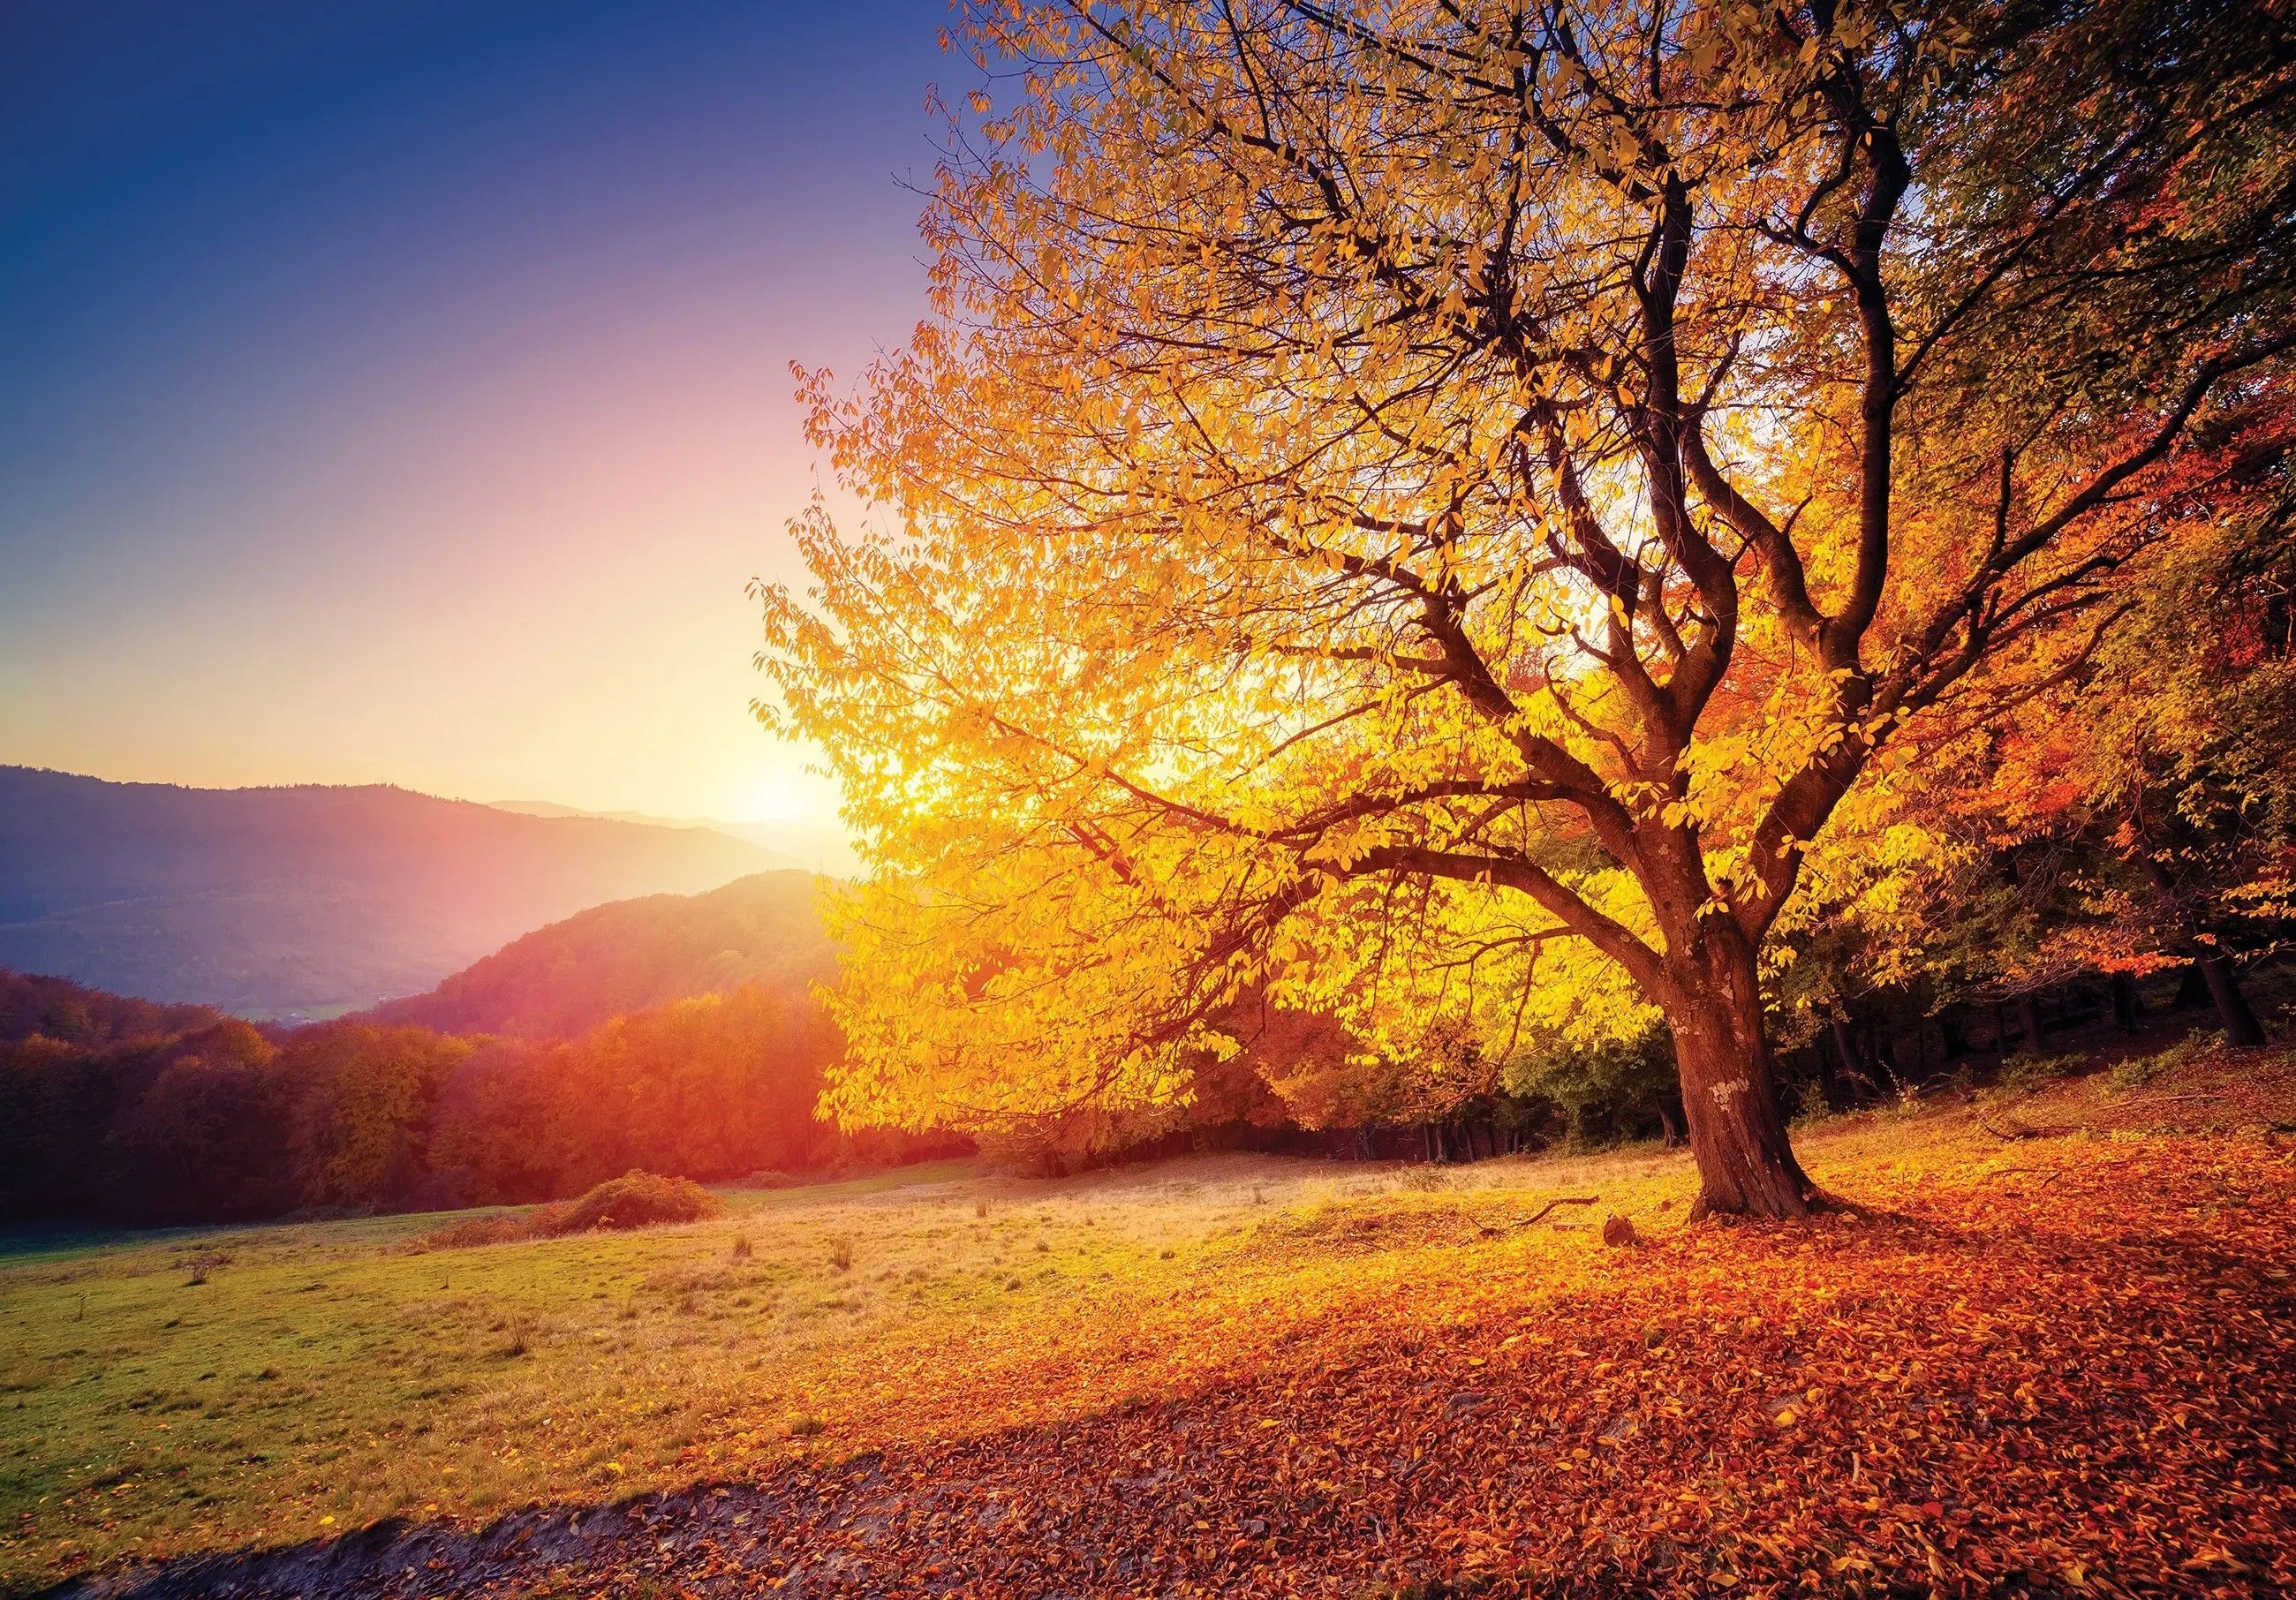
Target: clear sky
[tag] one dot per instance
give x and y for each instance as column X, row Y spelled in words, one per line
column 399, row 392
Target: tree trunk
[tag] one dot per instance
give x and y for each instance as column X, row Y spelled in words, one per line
column 1954, row 1036
column 2240, row 1024
column 1746, row 1165
column 2127, row 1005
column 2029, row 1019
column 1845, row 1045
column 1829, row 1083
column 2216, row 968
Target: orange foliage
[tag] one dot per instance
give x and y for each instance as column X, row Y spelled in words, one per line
column 711, row 1088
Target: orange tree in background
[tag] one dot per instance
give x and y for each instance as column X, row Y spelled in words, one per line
column 1429, row 508
column 2166, row 839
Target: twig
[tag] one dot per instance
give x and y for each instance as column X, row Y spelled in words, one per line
column 1540, row 1214
column 2012, row 1134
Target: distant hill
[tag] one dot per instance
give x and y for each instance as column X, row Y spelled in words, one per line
column 271, row 901
column 819, row 847
column 558, row 981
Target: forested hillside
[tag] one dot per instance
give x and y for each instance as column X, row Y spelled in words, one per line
column 137, row 1115
column 269, row 900
column 625, row 956
column 675, row 1033
column 73, row 1014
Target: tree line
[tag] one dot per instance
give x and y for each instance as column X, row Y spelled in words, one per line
column 121, row 1110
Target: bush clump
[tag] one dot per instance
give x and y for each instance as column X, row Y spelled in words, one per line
column 637, row 1200
column 634, row 1200
column 2135, row 1074
column 2027, row 1070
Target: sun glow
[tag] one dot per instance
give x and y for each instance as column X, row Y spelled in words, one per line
column 785, row 796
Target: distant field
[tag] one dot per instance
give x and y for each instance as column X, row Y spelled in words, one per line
column 324, row 1376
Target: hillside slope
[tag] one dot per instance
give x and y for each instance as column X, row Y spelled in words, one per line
column 559, row 980
column 72, row 1014
column 270, row 901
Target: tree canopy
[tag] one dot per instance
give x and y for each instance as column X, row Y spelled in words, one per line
column 1426, row 510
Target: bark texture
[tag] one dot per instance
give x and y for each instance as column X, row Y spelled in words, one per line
column 1746, row 1165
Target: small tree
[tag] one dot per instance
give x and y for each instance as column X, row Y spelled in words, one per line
column 1429, row 508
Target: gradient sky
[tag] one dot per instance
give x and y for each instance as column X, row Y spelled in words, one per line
column 399, row 392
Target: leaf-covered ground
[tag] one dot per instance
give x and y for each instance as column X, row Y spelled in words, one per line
column 2052, row 1351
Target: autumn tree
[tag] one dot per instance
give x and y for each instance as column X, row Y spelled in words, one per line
column 363, row 1098
column 205, row 1139
column 2167, row 837
column 1428, row 507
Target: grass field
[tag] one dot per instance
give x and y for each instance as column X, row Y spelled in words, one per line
column 165, row 1393
column 326, row 1374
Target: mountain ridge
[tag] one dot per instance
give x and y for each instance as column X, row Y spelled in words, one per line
column 814, row 847
column 284, row 898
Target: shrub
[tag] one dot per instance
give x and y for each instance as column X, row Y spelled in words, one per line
column 2137, row 1072
column 2024, row 1071
column 1811, row 1107
column 635, row 1199
column 638, row 1200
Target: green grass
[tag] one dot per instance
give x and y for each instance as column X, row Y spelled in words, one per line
column 341, row 1371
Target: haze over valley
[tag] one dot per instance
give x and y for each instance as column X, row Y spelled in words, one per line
column 310, row 900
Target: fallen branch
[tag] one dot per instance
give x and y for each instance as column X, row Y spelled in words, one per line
column 2012, row 1134
column 1498, row 1229
column 1571, row 1199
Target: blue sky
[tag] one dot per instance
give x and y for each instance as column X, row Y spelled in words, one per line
column 398, row 391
